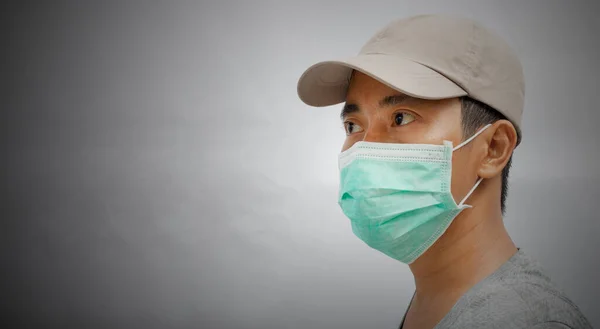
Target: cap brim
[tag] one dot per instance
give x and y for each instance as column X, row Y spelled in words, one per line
column 326, row 83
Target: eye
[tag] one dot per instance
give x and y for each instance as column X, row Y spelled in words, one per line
column 402, row 118
column 351, row 128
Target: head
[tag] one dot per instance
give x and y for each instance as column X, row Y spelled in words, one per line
column 425, row 80
column 376, row 112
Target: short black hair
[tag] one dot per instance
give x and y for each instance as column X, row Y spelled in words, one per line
column 475, row 115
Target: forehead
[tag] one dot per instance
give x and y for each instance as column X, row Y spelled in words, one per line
column 363, row 85
column 364, row 89
column 366, row 93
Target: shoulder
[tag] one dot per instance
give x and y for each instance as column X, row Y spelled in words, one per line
column 526, row 305
column 521, row 295
column 551, row 325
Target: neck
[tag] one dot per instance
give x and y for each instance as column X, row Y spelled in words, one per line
column 474, row 246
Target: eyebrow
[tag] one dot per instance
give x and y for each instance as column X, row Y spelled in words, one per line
column 393, row 100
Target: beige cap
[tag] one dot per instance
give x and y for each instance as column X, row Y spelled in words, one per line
column 430, row 57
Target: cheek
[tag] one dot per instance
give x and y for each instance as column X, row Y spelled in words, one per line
column 462, row 176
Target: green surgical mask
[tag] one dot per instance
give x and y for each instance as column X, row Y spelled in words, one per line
column 398, row 196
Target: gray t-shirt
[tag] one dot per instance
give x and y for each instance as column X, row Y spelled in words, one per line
column 517, row 295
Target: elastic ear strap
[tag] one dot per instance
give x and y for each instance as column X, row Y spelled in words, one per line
column 470, row 192
column 471, row 138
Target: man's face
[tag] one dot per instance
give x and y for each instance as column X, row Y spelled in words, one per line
column 375, row 112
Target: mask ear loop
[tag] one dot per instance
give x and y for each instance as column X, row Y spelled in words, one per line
column 462, row 203
column 471, row 138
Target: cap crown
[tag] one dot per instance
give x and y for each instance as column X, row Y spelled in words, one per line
column 473, row 57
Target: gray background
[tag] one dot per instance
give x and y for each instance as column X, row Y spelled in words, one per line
column 158, row 170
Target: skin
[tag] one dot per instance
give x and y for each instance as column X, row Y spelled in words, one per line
column 476, row 243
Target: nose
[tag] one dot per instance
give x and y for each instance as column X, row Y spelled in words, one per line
column 376, row 134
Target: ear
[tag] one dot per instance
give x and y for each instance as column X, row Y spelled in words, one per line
column 501, row 140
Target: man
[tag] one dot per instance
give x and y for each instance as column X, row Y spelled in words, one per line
column 432, row 114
